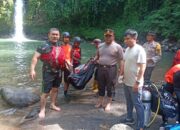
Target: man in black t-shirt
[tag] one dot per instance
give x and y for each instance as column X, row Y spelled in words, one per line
column 51, row 76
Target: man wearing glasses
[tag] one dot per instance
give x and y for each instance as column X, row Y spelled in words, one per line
column 109, row 54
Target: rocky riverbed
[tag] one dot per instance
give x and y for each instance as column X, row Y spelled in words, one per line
column 78, row 113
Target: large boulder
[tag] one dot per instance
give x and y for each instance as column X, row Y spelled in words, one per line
column 121, row 127
column 18, row 97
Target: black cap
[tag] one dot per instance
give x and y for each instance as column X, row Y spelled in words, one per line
column 151, row 33
column 109, row 32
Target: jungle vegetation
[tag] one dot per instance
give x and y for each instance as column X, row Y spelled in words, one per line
column 89, row 18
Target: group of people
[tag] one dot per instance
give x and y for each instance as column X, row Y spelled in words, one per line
column 135, row 65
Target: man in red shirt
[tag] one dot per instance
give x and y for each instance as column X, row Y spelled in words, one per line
column 51, row 75
column 76, row 52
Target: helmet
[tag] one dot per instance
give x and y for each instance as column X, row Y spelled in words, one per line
column 66, row 34
column 77, row 39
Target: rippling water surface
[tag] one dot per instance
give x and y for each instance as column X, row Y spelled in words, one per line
column 15, row 59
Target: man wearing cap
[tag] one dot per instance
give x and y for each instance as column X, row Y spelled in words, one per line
column 153, row 53
column 109, row 54
column 95, row 87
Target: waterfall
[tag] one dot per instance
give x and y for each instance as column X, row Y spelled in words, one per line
column 18, row 21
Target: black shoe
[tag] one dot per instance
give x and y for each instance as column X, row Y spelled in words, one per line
column 129, row 121
column 67, row 97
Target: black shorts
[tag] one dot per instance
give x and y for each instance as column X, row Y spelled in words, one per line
column 50, row 80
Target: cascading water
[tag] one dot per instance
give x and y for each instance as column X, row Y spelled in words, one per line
column 18, row 20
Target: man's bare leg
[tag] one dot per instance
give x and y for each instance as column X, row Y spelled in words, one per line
column 108, row 105
column 100, row 102
column 54, row 93
column 43, row 105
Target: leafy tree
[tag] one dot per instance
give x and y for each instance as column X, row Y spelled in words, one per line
column 6, row 11
column 89, row 18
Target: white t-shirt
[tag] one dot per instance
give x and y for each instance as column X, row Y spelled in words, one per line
column 132, row 57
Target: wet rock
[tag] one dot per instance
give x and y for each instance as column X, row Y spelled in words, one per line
column 8, row 112
column 18, row 97
column 32, row 115
column 121, row 127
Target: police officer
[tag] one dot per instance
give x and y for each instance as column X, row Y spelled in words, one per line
column 109, row 54
column 153, row 54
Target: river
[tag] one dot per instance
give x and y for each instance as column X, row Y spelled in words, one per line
column 15, row 59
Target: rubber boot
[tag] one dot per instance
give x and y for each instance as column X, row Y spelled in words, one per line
column 95, row 86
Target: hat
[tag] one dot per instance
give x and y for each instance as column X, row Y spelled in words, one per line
column 151, row 33
column 108, row 32
column 96, row 41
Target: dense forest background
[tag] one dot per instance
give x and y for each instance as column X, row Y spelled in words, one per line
column 89, row 18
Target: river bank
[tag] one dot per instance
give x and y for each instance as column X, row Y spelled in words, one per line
column 79, row 113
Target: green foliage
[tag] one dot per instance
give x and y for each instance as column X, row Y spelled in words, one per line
column 89, row 18
column 165, row 20
column 6, row 11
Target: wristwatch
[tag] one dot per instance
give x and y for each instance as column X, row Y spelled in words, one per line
column 137, row 82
